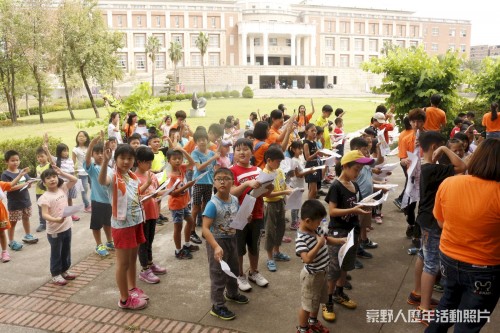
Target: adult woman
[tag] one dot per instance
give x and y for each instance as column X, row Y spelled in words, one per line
column 492, row 122
column 130, row 124
column 303, row 119
column 114, row 127
column 250, row 123
column 468, row 209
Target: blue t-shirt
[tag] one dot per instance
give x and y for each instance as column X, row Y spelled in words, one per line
column 98, row 193
column 365, row 181
column 222, row 214
column 201, row 158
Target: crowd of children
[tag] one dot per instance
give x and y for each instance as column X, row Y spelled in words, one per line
column 208, row 173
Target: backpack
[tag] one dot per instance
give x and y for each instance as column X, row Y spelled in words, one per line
column 257, row 146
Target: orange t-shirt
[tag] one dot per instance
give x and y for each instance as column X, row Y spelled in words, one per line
column 273, row 136
column 469, row 208
column 259, row 153
column 129, row 129
column 408, row 144
column 491, row 125
column 434, row 118
column 401, row 142
column 301, row 121
column 4, row 215
column 180, row 201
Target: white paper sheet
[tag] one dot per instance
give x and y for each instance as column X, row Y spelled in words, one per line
column 330, row 152
column 159, row 176
column 257, row 192
column 285, row 165
column 386, row 168
column 294, row 200
column 226, row 269
column 384, row 146
column 370, row 202
column 314, row 168
column 245, row 210
column 170, row 189
column 264, row 177
column 344, row 248
column 200, row 176
column 385, row 186
column 161, row 187
column 71, row 210
column 329, row 161
column 413, row 159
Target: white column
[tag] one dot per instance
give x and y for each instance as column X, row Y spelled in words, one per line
column 299, row 51
column 148, row 19
column 307, row 51
column 204, row 20
column 129, row 19
column 292, row 47
column 110, row 18
column 313, row 50
column 252, row 51
column 243, row 49
column 265, row 38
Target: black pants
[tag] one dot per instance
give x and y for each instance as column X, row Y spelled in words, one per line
column 146, row 248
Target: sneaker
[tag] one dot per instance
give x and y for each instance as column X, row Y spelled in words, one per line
column 409, row 231
column 5, row 257
column 110, row 246
column 280, row 256
column 271, row 265
column 101, row 250
column 133, row 303
column 414, row 299
column 195, row 238
column 158, row 270
column 191, row 248
column 423, row 316
column 258, row 279
column 243, row 283
column 348, row 277
column 75, row 218
column 30, row 239
column 348, row 285
column 344, row 300
column 68, row 275
column 328, row 313
column 183, row 254
column 287, row 220
column 438, row 288
column 286, row 239
column 378, row 220
column 15, row 246
column 138, row 293
column 59, row 280
column 358, row 264
column 397, row 203
column 240, row 299
column 41, row 228
column 368, row 244
column 159, row 222
column 318, row 327
column 321, row 193
column 222, row 312
column 416, row 242
column 304, row 330
column 163, row 218
column 363, row 254
column 88, row 209
column 294, row 225
column 148, row 276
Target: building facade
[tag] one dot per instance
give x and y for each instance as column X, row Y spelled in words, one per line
column 479, row 52
column 259, row 43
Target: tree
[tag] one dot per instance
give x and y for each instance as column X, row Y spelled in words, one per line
column 175, row 54
column 411, row 76
column 487, row 82
column 202, row 45
column 152, row 49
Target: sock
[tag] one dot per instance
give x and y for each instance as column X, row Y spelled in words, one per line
column 177, row 251
column 123, row 302
column 339, row 290
column 187, row 244
column 330, row 298
column 312, row 320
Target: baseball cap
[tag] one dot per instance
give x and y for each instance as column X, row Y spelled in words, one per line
column 356, row 156
column 380, row 117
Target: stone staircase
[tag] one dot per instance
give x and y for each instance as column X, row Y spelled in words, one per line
column 317, row 93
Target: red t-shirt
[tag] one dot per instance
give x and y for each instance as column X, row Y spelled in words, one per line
column 388, row 127
column 150, row 206
column 241, row 175
column 454, row 131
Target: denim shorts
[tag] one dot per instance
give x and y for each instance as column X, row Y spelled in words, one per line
column 180, row 215
column 429, row 251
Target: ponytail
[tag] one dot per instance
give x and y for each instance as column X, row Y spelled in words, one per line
column 494, row 111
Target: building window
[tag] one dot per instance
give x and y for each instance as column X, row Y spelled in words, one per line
column 463, row 32
column 250, row 79
column 329, row 44
column 413, row 43
column 140, row 61
column 122, row 61
column 124, row 40
column 256, row 42
column 462, row 47
column 451, row 47
column 329, row 62
column 195, row 59
column 435, row 31
column 273, row 41
column 139, row 40
column 452, row 33
column 161, row 39
column 193, row 40
column 434, row 47
column 213, row 59
column 177, row 20
column 231, row 40
column 359, row 28
column 213, row 22
column 358, row 44
column 158, row 21
column 178, row 38
column 401, row 30
column 358, row 60
column 400, row 43
column 288, row 42
column 413, row 31
column 387, row 29
column 120, row 20
column 344, row 60
column 160, row 61
column 373, row 57
column 328, row 26
column 231, row 21
column 373, row 45
column 344, row 27
column 373, row 29
column 344, row 44
column 139, row 21
column 213, row 40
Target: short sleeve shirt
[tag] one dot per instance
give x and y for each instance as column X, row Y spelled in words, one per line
column 305, row 242
column 201, row 158
column 17, row 200
column 113, row 133
column 150, row 205
column 434, row 118
column 222, row 213
column 99, row 193
column 182, row 200
column 56, row 202
column 365, row 181
column 326, row 134
column 279, row 185
column 241, row 175
column 39, row 170
column 344, row 199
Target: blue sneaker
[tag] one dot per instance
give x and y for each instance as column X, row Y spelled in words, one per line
column 110, row 246
column 271, row 265
column 101, row 250
column 30, row 239
column 15, row 246
column 281, row 257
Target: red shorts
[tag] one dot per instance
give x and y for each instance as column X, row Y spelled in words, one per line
column 128, row 238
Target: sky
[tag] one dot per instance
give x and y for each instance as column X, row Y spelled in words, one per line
column 484, row 14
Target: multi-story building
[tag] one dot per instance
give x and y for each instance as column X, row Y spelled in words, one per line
column 479, row 52
column 258, row 43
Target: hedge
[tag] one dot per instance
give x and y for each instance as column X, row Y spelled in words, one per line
column 60, row 106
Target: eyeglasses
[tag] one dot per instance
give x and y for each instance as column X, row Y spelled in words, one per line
column 223, row 180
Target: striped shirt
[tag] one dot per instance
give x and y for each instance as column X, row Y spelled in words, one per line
column 305, row 242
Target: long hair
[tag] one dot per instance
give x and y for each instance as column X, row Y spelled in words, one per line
column 59, row 150
column 485, row 162
column 494, row 110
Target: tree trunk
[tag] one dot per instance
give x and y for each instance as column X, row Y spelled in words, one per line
column 175, row 73
column 13, row 92
column 66, row 93
column 27, row 105
column 89, row 92
column 153, row 80
column 204, row 85
column 39, row 89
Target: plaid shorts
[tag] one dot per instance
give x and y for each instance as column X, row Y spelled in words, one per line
column 202, row 193
column 17, row 215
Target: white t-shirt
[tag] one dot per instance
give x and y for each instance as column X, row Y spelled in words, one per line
column 113, row 133
column 80, row 158
column 297, row 182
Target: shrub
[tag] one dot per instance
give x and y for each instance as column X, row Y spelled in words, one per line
column 188, row 96
column 163, row 98
column 179, row 97
column 208, row 95
column 171, row 98
column 27, row 151
column 234, row 93
column 225, row 94
column 217, row 94
column 247, row 92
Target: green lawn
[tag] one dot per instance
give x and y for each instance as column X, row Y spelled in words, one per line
column 58, row 124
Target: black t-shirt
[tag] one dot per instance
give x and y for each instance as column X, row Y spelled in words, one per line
column 344, row 199
column 17, row 200
column 432, row 175
column 312, row 149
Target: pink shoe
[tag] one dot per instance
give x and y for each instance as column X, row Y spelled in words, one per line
column 378, row 220
column 148, row 276
column 138, row 293
column 294, row 226
column 133, row 303
column 68, row 275
column 158, row 270
column 5, row 256
column 75, row 218
column 286, row 239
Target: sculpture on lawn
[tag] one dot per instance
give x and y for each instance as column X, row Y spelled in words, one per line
column 198, row 103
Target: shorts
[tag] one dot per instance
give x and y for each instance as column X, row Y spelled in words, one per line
column 180, row 215
column 72, row 193
column 17, row 215
column 429, row 251
column 100, row 216
column 250, row 236
column 365, row 220
column 313, row 290
column 202, row 193
column 4, row 225
column 315, row 177
column 333, row 251
column 128, row 238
